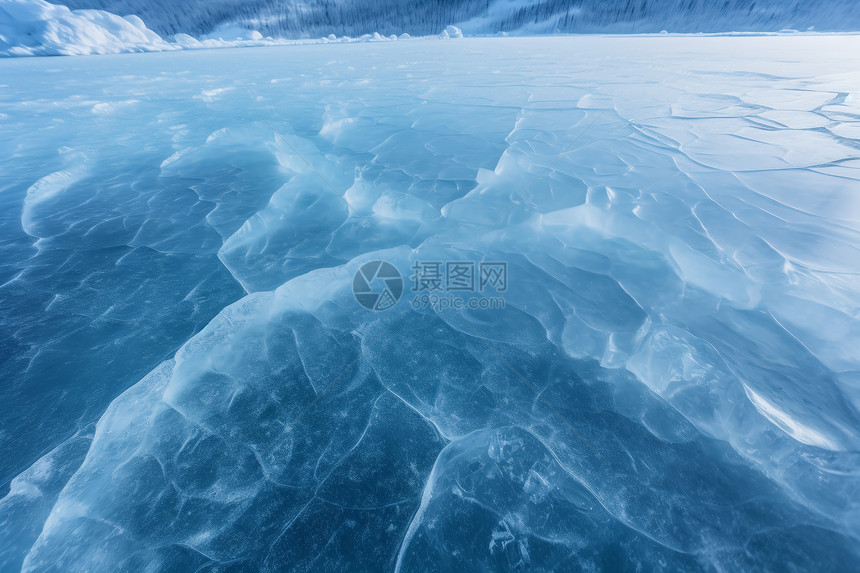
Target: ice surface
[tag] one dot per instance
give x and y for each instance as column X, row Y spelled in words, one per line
column 672, row 384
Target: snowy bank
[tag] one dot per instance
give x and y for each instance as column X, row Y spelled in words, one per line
column 38, row 28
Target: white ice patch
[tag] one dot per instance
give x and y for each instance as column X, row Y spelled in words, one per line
column 107, row 108
column 210, row 95
column 794, row 428
column 48, row 189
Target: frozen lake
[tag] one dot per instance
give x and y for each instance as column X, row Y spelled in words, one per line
column 655, row 364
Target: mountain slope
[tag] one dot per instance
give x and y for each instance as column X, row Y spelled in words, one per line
column 290, row 18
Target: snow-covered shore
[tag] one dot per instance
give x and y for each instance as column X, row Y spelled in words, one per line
column 39, row 28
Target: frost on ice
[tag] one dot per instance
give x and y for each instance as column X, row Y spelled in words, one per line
column 672, row 383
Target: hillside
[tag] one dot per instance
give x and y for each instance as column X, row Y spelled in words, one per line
column 311, row 18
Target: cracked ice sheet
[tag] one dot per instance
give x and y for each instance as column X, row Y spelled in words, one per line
column 672, row 383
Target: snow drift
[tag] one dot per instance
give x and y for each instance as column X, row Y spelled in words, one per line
column 38, row 28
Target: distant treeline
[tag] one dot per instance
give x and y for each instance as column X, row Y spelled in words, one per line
column 312, row 18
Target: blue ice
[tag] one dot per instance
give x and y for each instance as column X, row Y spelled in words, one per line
column 672, row 382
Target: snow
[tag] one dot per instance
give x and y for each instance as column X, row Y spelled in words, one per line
column 278, row 18
column 37, row 28
column 451, row 32
column 671, row 384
